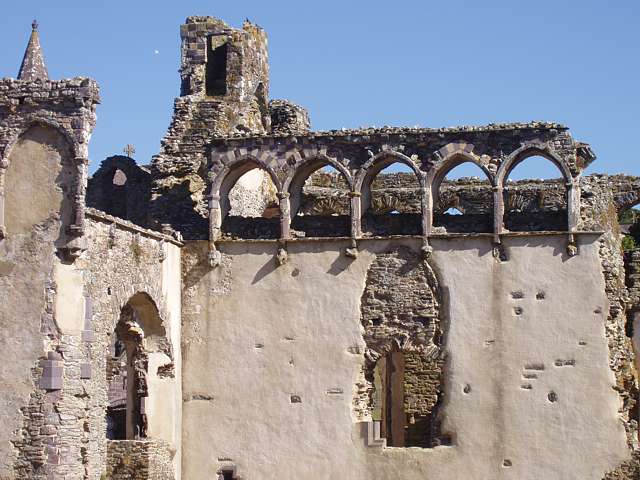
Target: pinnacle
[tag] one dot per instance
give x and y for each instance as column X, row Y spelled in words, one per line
column 33, row 67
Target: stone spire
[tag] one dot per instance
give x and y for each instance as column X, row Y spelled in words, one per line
column 33, row 67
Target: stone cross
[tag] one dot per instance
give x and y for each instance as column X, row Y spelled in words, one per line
column 129, row 150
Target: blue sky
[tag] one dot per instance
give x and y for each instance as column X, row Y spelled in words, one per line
column 363, row 63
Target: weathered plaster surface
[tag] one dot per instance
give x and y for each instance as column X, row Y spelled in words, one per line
column 305, row 340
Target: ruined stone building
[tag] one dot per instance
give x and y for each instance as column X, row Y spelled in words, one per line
column 262, row 301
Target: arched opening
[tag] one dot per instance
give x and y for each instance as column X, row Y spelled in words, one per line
column 535, row 196
column 138, row 336
column 463, row 199
column 39, row 183
column 320, row 202
column 250, row 208
column 391, row 200
column 404, row 357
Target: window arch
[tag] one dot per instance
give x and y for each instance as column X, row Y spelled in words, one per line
column 402, row 386
column 391, row 190
column 40, row 172
column 139, row 340
column 462, row 193
column 319, row 199
column 249, row 206
column 535, row 194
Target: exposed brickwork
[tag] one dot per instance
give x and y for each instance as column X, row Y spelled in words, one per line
column 629, row 470
column 288, row 118
column 138, row 460
column 400, row 308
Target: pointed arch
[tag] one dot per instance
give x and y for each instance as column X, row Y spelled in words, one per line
column 220, row 205
column 539, row 215
column 362, row 191
column 231, row 173
column 397, row 335
column 468, row 221
column 295, row 180
column 32, row 121
column 139, row 339
column 531, row 150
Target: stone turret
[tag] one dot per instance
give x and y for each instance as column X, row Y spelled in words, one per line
column 33, row 67
column 223, row 92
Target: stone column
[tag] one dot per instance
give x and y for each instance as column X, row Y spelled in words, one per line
column 498, row 211
column 215, row 217
column 426, row 210
column 215, row 226
column 76, row 228
column 573, row 205
column 356, row 209
column 285, row 215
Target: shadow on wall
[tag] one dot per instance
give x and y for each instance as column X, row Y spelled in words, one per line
column 121, row 188
column 181, row 212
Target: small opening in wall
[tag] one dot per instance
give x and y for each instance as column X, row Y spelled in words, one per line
column 227, row 474
column 216, row 72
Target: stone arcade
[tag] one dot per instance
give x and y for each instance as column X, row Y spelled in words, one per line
column 262, row 301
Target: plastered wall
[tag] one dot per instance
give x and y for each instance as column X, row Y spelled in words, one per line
column 272, row 356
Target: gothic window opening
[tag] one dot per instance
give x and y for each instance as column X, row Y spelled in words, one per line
column 250, row 207
column 463, row 200
column 39, row 184
column 538, row 204
column 137, row 335
column 403, row 385
column 391, row 201
column 320, row 202
column 216, row 69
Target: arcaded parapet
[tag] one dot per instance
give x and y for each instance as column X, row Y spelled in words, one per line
column 359, row 155
column 121, row 188
column 287, row 118
column 225, row 89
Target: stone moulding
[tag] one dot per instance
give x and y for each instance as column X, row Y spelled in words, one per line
column 359, row 155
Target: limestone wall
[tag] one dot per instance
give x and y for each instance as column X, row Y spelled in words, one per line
column 139, row 460
column 527, row 382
